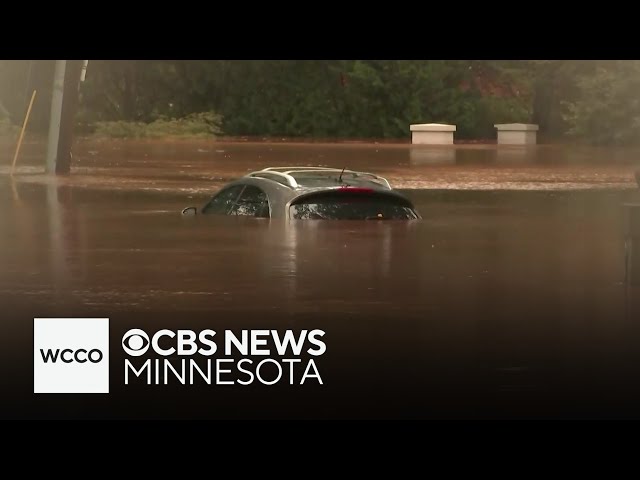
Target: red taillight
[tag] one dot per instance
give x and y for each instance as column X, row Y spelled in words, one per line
column 347, row 188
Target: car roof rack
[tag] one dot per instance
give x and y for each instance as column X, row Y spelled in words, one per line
column 284, row 175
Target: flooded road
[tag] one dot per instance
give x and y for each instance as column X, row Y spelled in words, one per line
column 507, row 299
column 198, row 166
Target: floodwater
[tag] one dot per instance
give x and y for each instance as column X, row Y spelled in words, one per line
column 507, row 300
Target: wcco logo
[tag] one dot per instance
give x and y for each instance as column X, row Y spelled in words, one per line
column 80, row 356
column 71, row 355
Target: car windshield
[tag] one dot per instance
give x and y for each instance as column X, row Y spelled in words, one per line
column 352, row 207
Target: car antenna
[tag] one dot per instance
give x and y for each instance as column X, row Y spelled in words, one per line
column 340, row 177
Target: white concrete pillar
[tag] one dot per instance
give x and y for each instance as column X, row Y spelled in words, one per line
column 432, row 134
column 517, row 133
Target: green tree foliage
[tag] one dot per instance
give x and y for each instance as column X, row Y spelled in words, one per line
column 607, row 108
column 205, row 124
column 338, row 98
column 554, row 87
column 307, row 98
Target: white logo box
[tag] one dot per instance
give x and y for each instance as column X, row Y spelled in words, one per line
column 71, row 355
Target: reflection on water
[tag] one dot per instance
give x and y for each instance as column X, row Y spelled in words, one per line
column 499, row 155
column 58, row 237
column 432, row 155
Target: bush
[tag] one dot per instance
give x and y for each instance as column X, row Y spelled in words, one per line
column 607, row 112
column 203, row 124
column 491, row 110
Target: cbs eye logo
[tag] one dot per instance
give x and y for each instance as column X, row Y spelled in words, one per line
column 135, row 342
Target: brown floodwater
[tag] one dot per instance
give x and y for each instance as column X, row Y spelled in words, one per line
column 198, row 166
column 507, row 299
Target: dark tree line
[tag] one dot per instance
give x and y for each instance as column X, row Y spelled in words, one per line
column 591, row 100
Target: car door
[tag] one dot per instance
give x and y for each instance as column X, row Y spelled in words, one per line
column 252, row 202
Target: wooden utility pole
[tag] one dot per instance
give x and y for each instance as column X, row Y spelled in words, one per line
column 56, row 115
column 64, row 102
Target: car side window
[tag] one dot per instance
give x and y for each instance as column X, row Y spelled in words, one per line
column 253, row 202
column 222, row 202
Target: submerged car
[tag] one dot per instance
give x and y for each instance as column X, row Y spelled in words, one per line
column 310, row 193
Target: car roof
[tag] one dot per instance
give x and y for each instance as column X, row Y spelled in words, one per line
column 284, row 185
column 306, row 178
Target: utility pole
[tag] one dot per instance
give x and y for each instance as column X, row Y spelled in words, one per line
column 56, row 115
column 64, row 102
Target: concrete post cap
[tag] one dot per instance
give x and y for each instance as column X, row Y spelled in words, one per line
column 517, row 127
column 432, row 127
